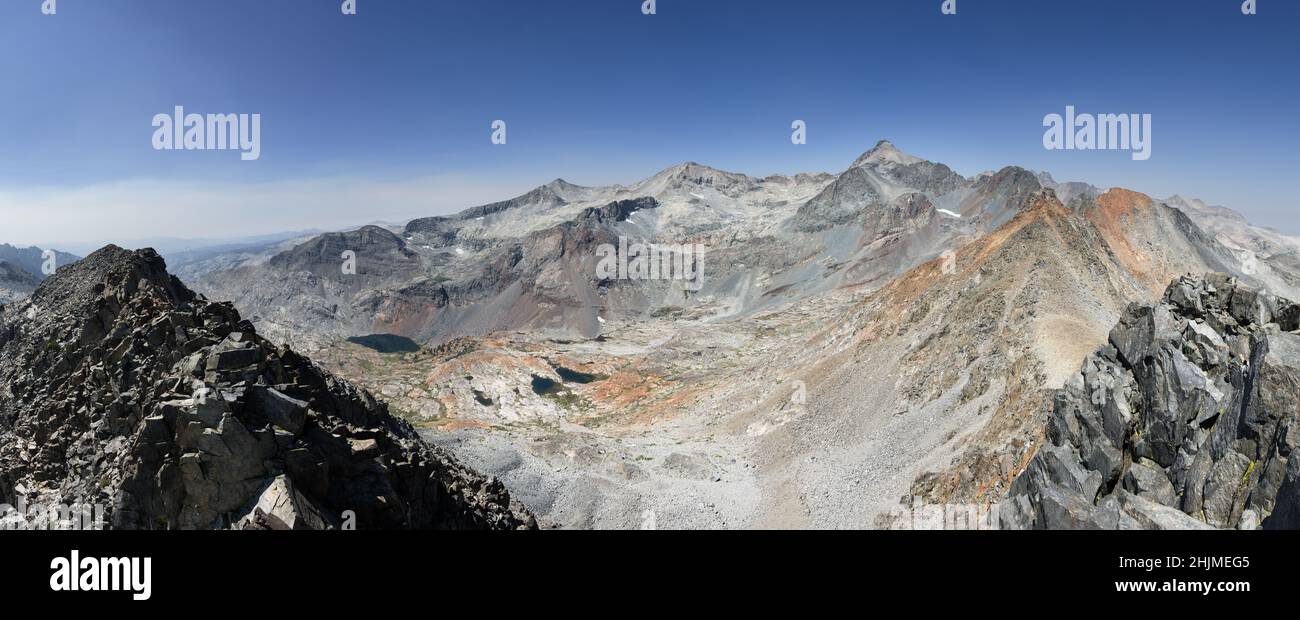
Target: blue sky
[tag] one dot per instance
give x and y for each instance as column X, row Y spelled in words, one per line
column 386, row 115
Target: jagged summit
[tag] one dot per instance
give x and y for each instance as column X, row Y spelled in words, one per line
column 124, row 389
column 562, row 187
column 82, row 284
column 1185, row 419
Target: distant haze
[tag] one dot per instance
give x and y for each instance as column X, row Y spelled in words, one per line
column 387, row 115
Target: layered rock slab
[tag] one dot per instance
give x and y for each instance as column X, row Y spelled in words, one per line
column 1186, row 419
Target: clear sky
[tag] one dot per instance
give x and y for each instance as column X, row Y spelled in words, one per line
column 386, row 115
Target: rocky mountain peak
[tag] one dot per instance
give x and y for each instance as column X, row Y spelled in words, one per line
column 124, row 389
column 110, row 272
column 377, row 250
column 886, row 152
column 564, row 188
column 692, row 175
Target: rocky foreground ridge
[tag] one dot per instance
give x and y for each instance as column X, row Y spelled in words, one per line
column 120, row 387
column 1187, row 418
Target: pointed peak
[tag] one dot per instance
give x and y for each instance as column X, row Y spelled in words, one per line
column 886, row 152
column 80, row 283
column 1181, row 200
column 561, row 186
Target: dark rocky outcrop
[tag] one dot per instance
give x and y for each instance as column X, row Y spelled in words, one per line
column 1186, row 419
column 121, row 387
column 854, row 193
column 379, row 254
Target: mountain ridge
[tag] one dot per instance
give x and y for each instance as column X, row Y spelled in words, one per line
column 953, row 305
column 124, row 389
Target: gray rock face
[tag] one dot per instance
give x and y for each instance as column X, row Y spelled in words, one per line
column 380, row 252
column 1188, row 418
column 122, row 388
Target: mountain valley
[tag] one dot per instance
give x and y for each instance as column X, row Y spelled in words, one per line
column 891, row 334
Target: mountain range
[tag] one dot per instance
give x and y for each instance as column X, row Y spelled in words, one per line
column 892, row 333
column 22, row 269
column 924, row 316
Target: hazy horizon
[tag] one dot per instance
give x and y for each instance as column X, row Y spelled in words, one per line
column 386, row 115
